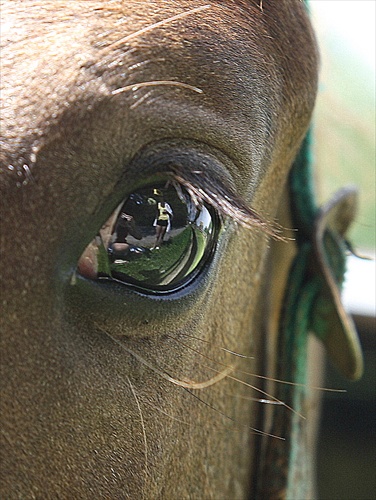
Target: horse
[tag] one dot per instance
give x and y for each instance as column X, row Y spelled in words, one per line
column 115, row 386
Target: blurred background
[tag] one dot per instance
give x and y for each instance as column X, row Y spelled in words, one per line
column 345, row 154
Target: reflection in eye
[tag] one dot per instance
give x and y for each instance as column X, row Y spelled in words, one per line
column 157, row 240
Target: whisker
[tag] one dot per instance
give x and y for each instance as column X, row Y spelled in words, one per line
column 189, row 386
column 142, row 424
column 236, row 429
column 225, row 428
column 219, row 347
column 256, row 400
column 256, row 431
column 263, row 377
column 296, row 384
column 140, row 100
column 234, row 353
column 282, row 403
column 171, row 83
column 239, row 380
column 167, row 414
column 186, row 384
column 199, row 352
column 151, row 27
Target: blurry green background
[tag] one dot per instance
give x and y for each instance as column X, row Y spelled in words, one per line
column 345, row 154
column 345, row 109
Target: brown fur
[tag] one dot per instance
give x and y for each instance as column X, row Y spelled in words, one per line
column 82, row 418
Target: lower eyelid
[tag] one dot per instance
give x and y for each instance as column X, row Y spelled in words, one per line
column 125, row 311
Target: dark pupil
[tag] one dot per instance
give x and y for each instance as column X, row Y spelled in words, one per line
column 157, row 240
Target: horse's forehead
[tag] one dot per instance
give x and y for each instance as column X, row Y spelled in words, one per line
column 189, row 70
column 60, row 66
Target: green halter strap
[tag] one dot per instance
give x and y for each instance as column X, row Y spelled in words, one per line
column 312, row 303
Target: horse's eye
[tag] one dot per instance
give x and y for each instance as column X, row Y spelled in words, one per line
column 157, row 240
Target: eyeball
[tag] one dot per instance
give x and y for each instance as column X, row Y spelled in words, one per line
column 157, row 240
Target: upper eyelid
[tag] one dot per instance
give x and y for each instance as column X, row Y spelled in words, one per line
column 202, row 171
